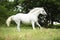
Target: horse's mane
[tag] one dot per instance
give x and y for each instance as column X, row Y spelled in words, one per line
column 34, row 10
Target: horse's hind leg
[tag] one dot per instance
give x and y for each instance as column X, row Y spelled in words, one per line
column 18, row 25
column 38, row 24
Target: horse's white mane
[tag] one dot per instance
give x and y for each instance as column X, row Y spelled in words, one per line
column 35, row 9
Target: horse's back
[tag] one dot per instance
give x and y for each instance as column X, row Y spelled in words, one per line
column 25, row 18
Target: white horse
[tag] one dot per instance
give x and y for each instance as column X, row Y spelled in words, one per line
column 31, row 17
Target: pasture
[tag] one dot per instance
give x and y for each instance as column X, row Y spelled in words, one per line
column 27, row 33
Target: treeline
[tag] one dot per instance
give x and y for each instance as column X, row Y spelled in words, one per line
column 51, row 6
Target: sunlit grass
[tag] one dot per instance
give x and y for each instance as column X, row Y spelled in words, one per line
column 27, row 33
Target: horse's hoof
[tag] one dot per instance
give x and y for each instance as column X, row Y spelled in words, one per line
column 18, row 30
column 34, row 29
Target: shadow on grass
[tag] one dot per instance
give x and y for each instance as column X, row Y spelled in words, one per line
column 27, row 26
column 14, row 25
column 54, row 26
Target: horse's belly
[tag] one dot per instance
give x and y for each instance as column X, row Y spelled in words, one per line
column 26, row 21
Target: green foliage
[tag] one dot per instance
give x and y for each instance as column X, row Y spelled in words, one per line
column 6, row 10
column 11, row 12
column 3, row 14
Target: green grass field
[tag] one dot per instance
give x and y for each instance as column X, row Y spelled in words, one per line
column 27, row 33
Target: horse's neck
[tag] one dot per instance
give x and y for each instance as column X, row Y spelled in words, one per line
column 32, row 11
column 35, row 13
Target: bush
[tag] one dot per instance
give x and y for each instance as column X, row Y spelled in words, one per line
column 3, row 14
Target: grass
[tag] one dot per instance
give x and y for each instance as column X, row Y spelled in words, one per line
column 27, row 33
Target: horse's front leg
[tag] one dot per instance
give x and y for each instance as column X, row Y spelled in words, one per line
column 38, row 24
column 33, row 25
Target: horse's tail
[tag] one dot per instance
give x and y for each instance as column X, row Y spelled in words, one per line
column 9, row 20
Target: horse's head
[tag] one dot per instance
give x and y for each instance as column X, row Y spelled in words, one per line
column 42, row 11
column 38, row 10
